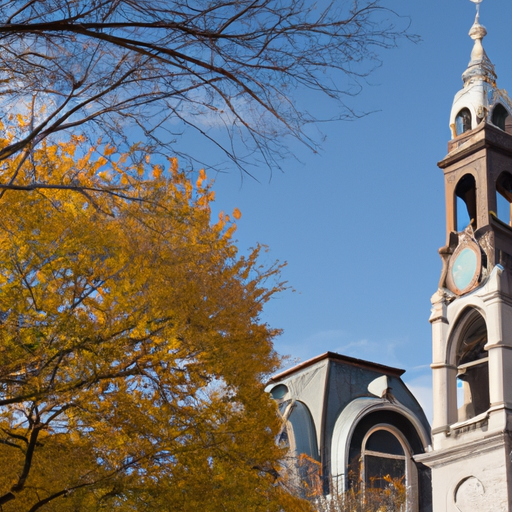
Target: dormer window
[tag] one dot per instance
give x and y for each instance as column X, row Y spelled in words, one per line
column 463, row 121
column 500, row 117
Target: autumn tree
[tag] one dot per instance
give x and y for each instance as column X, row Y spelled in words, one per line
column 132, row 351
column 158, row 67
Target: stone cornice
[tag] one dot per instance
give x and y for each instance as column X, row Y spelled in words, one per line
column 464, row 450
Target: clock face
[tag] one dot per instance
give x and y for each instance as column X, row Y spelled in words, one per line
column 464, row 268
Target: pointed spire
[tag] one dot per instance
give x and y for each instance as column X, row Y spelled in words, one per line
column 480, row 65
column 478, row 100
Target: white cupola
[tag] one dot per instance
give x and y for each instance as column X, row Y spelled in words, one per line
column 480, row 99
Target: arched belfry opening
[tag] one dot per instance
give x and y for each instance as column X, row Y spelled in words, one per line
column 463, row 121
column 504, row 197
column 500, row 117
column 471, row 360
column 465, row 194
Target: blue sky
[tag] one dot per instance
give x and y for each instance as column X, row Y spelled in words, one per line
column 360, row 223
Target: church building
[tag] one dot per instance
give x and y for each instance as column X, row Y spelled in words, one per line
column 358, row 420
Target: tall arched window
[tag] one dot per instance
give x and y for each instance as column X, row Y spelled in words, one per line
column 383, row 459
column 463, row 121
column 301, row 431
column 465, row 194
column 504, row 198
column 300, row 435
column 472, row 367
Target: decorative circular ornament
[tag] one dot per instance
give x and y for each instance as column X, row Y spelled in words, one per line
column 464, row 268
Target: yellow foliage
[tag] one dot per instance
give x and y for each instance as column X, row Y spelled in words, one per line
column 157, row 171
column 109, row 150
column 201, row 178
column 131, row 347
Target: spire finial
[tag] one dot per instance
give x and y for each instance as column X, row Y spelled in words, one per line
column 480, row 65
column 477, row 2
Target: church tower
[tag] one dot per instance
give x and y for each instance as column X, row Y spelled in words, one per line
column 471, row 457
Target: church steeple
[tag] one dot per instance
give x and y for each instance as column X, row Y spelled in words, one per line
column 472, row 309
column 478, row 167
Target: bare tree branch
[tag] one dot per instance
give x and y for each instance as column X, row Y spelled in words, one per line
column 228, row 70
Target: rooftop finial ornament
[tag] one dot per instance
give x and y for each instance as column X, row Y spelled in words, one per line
column 480, row 65
column 477, row 2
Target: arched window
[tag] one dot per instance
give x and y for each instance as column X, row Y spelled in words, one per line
column 499, row 116
column 299, row 436
column 381, row 465
column 383, row 459
column 301, row 431
column 504, row 198
column 472, row 368
column 465, row 194
column 463, row 121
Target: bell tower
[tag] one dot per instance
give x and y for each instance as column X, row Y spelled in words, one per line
column 472, row 308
